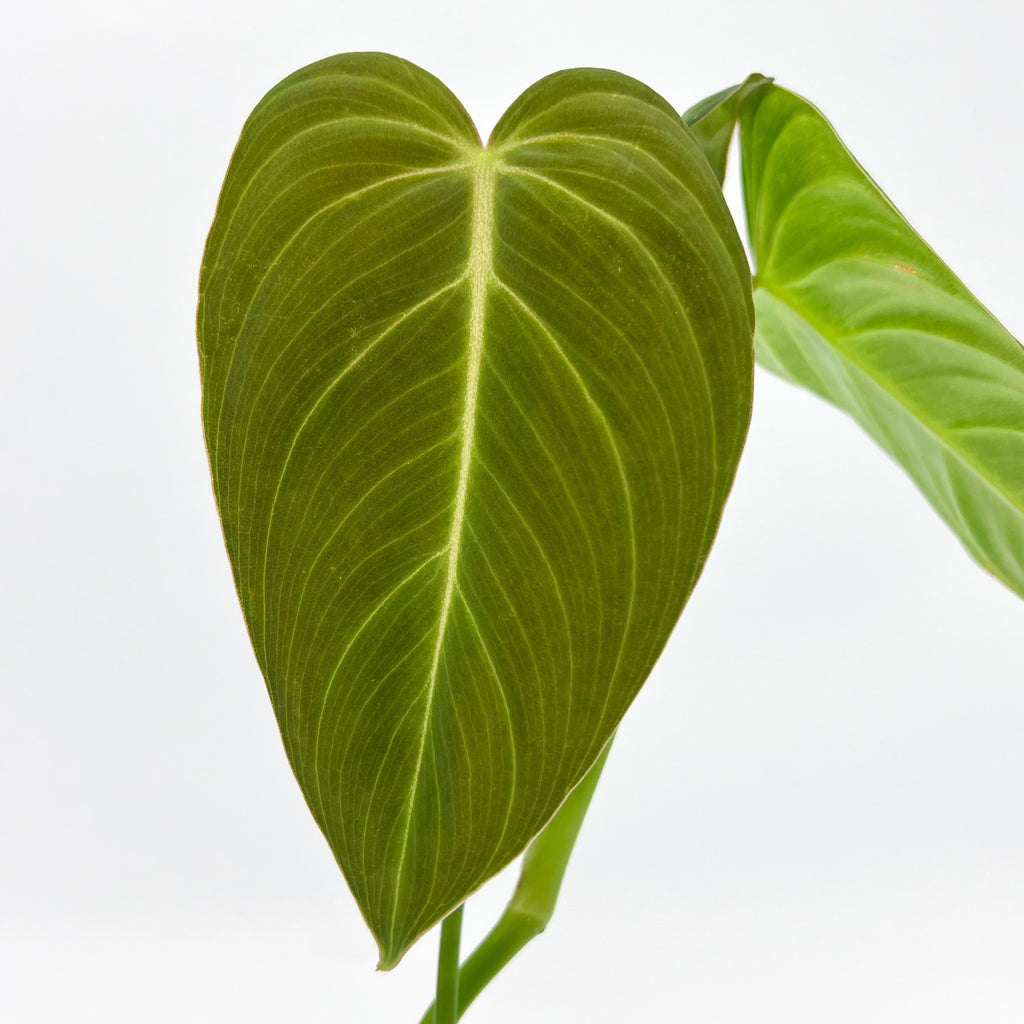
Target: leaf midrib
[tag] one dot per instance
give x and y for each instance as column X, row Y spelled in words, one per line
column 479, row 273
column 939, row 436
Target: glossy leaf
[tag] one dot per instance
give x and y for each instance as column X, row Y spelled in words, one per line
column 472, row 416
column 852, row 304
column 714, row 119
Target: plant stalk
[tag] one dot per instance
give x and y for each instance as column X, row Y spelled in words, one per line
column 531, row 905
column 446, row 1005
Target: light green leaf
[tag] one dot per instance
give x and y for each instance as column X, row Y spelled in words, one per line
column 472, row 416
column 713, row 120
column 852, row 304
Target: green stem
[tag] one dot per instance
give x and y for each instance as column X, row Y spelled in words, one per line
column 533, row 902
column 447, row 1002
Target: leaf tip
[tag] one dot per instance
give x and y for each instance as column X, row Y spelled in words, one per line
column 389, row 959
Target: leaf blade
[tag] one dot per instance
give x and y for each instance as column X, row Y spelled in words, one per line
column 713, row 120
column 854, row 305
column 468, row 458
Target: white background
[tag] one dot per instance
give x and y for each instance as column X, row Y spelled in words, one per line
column 814, row 809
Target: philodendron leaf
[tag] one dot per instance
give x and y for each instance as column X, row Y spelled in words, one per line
column 713, row 120
column 472, row 416
column 852, row 304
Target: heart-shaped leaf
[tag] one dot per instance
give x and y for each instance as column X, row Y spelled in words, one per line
column 472, row 416
column 852, row 304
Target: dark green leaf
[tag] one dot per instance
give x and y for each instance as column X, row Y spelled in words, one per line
column 472, row 417
column 852, row 304
column 536, row 893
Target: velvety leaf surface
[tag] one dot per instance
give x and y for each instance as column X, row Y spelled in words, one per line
column 852, row 304
column 472, row 416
